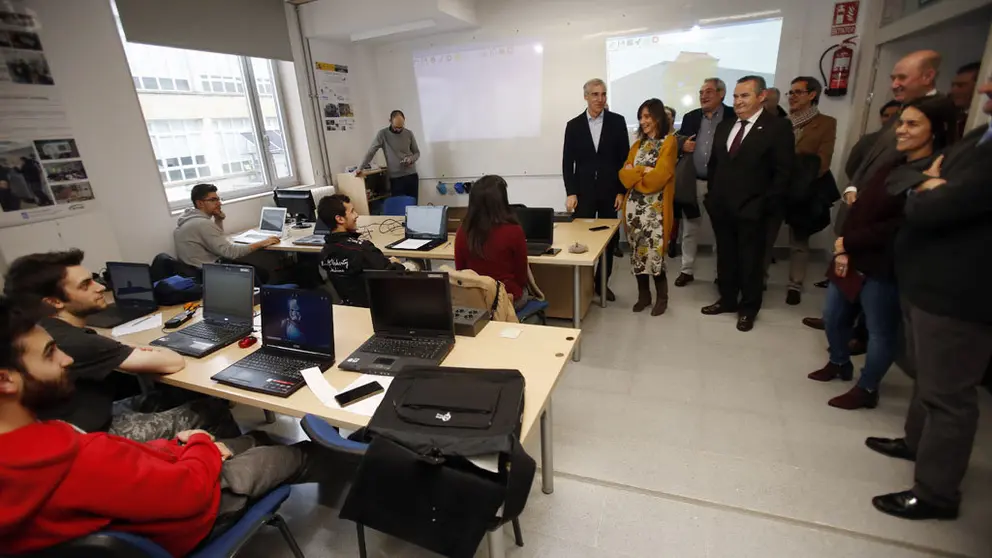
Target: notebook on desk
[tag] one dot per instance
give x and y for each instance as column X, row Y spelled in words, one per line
column 425, row 228
column 271, row 223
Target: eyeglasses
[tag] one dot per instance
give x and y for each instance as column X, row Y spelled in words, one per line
column 211, row 200
column 796, row 92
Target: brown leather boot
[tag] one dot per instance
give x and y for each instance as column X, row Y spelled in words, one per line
column 643, row 293
column 661, row 286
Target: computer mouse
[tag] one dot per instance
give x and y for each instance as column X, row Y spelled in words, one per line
column 247, row 342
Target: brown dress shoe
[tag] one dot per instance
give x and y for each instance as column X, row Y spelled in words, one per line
column 832, row 371
column 855, row 398
column 815, row 323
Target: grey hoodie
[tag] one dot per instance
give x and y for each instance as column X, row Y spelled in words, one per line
column 199, row 240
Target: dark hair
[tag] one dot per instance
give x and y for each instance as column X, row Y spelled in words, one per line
column 759, row 82
column 812, row 85
column 656, row 109
column 200, row 192
column 488, row 207
column 943, row 119
column 332, row 207
column 970, row 67
column 393, row 114
column 38, row 276
column 887, row 106
column 17, row 320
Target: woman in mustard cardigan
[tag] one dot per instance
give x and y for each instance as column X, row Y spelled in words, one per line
column 649, row 177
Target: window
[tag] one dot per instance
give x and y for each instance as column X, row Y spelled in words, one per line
column 205, row 125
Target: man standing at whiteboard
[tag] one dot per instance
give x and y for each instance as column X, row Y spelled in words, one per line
column 400, row 148
column 596, row 147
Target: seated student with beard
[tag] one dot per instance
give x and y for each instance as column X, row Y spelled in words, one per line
column 58, row 483
column 59, row 280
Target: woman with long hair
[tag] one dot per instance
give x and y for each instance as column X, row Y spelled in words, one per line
column 491, row 242
column 649, row 177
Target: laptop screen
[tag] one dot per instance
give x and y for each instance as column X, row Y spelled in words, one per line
column 228, row 293
column 273, row 219
column 538, row 223
column 320, row 229
column 426, row 221
column 132, row 283
column 406, row 303
column 297, row 319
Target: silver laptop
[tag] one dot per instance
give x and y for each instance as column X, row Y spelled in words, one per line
column 272, row 223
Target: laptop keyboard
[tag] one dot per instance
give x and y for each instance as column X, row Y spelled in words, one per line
column 416, row 348
column 215, row 332
column 287, row 367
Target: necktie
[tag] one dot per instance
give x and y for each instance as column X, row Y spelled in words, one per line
column 736, row 144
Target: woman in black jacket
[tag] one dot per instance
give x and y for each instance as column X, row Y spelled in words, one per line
column 863, row 272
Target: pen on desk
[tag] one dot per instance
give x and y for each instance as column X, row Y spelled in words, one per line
column 141, row 320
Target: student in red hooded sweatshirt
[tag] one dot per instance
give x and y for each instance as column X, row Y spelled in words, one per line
column 58, row 483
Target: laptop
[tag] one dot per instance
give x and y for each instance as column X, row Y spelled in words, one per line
column 425, row 228
column 539, row 228
column 455, row 217
column 320, row 231
column 228, row 312
column 412, row 319
column 297, row 333
column 272, row 223
column 133, row 295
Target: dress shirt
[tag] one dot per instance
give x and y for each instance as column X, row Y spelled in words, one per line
column 737, row 127
column 704, row 142
column 596, row 127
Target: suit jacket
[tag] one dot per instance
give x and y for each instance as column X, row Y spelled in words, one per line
column 685, row 172
column 817, row 137
column 694, row 118
column 751, row 184
column 591, row 172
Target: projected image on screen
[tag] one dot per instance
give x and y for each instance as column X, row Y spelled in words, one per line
column 672, row 66
column 480, row 93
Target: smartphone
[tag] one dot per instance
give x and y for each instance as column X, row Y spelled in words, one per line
column 358, row 394
column 599, row 228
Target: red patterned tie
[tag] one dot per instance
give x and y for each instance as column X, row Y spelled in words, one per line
column 736, row 144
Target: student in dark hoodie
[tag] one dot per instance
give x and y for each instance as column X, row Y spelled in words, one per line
column 58, row 483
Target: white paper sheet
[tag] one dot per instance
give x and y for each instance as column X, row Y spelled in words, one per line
column 367, row 407
column 510, row 333
column 410, row 244
column 141, row 324
column 324, row 391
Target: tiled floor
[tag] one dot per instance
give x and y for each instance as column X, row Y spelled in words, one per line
column 680, row 436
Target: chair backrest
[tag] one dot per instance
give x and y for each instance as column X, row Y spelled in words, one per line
column 104, row 544
column 396, row 205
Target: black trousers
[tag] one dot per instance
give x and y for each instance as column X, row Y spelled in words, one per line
column 408, row 185
column 591, row 208
column 740, row 254
column 950, row 357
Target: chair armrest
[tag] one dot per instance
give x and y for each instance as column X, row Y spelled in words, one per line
column 323, row 433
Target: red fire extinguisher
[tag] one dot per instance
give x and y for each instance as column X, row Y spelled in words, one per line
column 840, row 68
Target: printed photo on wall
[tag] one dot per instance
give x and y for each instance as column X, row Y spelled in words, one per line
column 21, row 178
column 30, row 68
column 51, row 150
column 68, row 171
column 73, row 193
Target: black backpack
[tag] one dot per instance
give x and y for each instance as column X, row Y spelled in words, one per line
column 416, row 481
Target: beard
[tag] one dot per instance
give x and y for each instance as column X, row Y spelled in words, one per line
column 41, row 394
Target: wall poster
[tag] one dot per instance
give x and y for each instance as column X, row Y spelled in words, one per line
column 334, row 95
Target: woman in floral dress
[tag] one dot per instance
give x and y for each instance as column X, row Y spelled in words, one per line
column 649, row 177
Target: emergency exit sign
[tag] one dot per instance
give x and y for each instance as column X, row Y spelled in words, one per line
column 845, row 18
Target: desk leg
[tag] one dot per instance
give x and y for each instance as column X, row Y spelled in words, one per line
column 547, row 453
column 270, row 417
column 602, row 275
column 497, row 545
column 577, row 309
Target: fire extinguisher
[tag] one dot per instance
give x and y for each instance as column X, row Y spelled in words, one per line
column 840, row 68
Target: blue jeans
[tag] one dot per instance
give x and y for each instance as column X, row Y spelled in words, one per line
column 880, row 301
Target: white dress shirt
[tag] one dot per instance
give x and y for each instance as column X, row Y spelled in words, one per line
column 595, row 127
column 747, row 130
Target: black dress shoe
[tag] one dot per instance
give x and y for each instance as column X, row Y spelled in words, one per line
column 908, row 506
column 684, row 279
column 822, row 284
column 793, row 297
column 610, row 297
column 892, row 447
column 718, row 308
column 815, row 323
column 745, row 323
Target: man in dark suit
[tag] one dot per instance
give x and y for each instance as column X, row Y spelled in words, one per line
column 943, row 272
column 749, row 173
column 596, row 146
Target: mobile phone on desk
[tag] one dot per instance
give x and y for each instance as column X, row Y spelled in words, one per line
column 599, row 228
column 358, row 394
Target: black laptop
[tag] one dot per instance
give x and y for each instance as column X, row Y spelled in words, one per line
column 297, row 333
column 425, row 228
column 228, row 311
column 412, row 319
column 133, row 295
column 539, row 228
column 320, row 232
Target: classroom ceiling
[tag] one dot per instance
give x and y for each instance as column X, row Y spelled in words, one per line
column 385, row 20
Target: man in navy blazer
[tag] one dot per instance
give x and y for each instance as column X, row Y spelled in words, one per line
column 596, row 146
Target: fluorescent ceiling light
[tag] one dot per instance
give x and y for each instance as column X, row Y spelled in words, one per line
column 393, row 30
column 752, row 15
column 615, row 33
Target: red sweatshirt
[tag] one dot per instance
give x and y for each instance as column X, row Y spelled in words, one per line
column 506, row 257
column 57, row 484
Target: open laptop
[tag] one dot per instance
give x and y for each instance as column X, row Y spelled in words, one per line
column 297, row 333
column 133, row 295
column 228, row 311
column 271, row 223
column 539, row 228
column 320, row 231
column 425, row 228
column 412, row 319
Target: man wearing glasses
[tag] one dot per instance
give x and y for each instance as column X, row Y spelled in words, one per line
column 200, row 236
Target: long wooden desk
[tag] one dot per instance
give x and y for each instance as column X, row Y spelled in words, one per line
column 566, row 234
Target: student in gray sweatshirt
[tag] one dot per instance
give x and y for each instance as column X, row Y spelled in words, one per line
column 200, row 236
column 400, row 148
